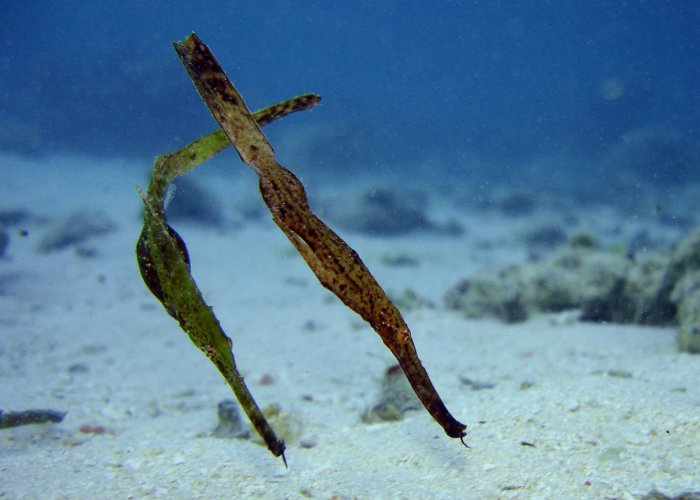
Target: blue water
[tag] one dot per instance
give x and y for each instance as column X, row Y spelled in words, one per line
column 403, row 82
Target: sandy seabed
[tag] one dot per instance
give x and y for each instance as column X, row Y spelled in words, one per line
column 576, row 410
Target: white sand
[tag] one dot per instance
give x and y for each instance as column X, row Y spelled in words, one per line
column 593, row 435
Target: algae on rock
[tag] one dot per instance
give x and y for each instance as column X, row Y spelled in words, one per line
column 395, row 399
column 605, row 285
column 682, row 276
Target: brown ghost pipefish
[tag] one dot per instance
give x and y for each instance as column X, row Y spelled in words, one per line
column 337, row 266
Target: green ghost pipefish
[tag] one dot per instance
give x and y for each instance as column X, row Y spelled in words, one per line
column 165, row 265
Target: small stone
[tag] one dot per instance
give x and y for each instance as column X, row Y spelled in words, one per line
column 395, row 399
column 92, row 429
column 307, row 442
column 476, row 385
column 78, row 368
column 230, row 423
column 619, row 374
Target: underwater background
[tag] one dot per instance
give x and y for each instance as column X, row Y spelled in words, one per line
column 520, row 177
column 479, row 88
